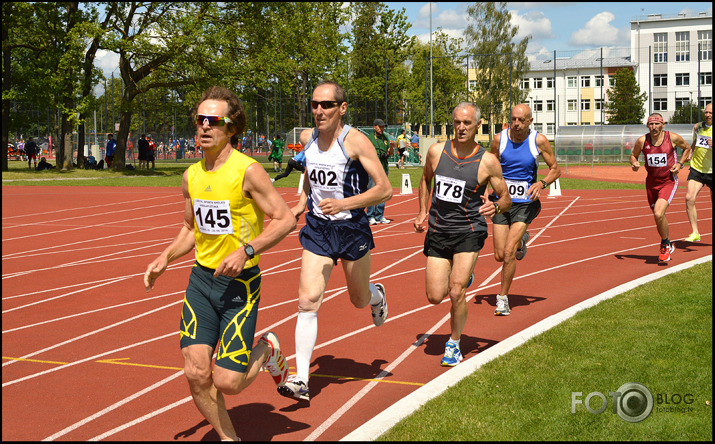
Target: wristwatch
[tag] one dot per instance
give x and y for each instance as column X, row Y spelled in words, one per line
column 249, row 251
column 497, row 208
column 543, row 182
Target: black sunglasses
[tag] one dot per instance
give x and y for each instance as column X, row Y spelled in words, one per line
column 325, row 104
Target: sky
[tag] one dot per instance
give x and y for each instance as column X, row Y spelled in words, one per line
column 554, row 26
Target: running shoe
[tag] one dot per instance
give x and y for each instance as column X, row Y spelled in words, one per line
column 452, row 355
column 384, row 221
column 372, row 221
column 521, row 251
column 471, row 279
column 379, row 311
column 502, row 306
column 276, row 364
column 295, row 388
column 665, row 251
column 694, row 237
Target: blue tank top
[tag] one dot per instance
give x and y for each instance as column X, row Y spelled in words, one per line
column 519, row 164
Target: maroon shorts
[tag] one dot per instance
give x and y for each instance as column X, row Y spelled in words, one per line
column 661, row 190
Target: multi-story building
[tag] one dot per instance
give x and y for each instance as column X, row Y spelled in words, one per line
column 671, row 57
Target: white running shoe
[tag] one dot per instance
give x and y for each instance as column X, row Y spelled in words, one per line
column 295, row 388
column 379, row 311
column 502, row 306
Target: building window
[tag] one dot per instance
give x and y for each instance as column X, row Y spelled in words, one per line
column 706, row 78
column 549, row 82
column 660, row 104
column 549, row 105
column 571, row 105
column 598, row 80
column 571, row 124
column 585, row 104
column 660, row 79
column 524, row 83
column 682, row 79
column 611, row 82
column 571, row 82
column 660, row 47
column 585, row 81
column 539, row 127
column 538, row 105
column 550, row 128
column 705, row 44
column 704, row 101
column 682, row 46
column 472, row 85
column 599, row 104
column 538, row 83
column 679, row 103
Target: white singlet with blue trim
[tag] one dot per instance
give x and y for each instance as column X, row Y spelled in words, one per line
column 333, row 175
column 519, row 164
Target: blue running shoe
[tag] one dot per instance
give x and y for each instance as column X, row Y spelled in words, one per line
column 452, row 355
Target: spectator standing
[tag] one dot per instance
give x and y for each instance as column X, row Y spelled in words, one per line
column 150, row 152
column 415, row 141
column 109, row 150
column 384, row 149
column 31, row 152
column 277, row 154
column 143, row 147
column 402, row 149
column 701, row 169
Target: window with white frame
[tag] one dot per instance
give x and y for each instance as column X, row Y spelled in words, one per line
column 660, row 104
column 706, row 78
column 571, row 123
column 585, row 81
column 598, row 80
column 660, row 47
column 585, row 104
column 539, row 127
column 572, row 105
column 549, row 82
column 660, row 79
column 599, row 104
column 705, row 44
column 524, row 83
column 681, row 102
column 472, row 85
column 538, row 83
column 571, row 82
column 549, row 105
column 704, row 101
column 682, row 46
column 611, row 81
column 550, row 128
column 682, row 79
column 538, row 105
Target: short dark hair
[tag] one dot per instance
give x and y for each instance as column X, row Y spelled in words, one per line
column 340, row 94
column 235, row 108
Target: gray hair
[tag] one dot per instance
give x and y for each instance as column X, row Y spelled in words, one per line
column 477, row 111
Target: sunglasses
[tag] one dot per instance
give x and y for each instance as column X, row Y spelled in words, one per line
column 325, row 104
column 212, row 120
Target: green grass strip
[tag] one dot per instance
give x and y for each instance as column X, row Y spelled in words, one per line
column 659, row 335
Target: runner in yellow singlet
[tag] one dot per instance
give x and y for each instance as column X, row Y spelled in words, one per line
column 701, row 169
column 226, row 197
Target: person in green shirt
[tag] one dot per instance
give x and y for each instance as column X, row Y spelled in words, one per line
column 384, row 148
column 277, row 154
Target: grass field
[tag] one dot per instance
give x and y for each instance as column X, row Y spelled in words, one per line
column 659, row 335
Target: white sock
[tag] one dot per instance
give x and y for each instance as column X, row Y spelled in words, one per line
column 454, row 341
column 375, row 295
column 306, row 333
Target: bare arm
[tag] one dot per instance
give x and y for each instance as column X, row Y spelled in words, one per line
column 490, row 170
column 299, row 208
column 679, row 142
column 425, row 187
column 554, row 171
column 182, row 244
column 635, row 164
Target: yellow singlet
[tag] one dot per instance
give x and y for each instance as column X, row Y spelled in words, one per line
column 702, row 154
column 224, row 219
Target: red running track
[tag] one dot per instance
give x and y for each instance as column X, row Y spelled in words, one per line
column 88, row 354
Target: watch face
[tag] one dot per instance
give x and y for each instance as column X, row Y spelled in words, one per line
column 249, row 250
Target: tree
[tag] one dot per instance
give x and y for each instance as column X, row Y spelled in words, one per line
column 499, row 61
column 685, row 114
column 625, row 104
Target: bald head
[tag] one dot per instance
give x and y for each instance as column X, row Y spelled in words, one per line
column 523, row 110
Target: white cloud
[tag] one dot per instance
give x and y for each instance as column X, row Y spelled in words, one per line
column 599, row 32
column 107, row 62
column 452, row 33
column 533, row 23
